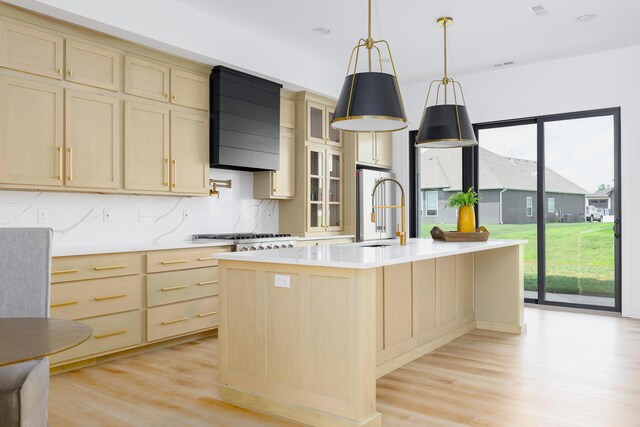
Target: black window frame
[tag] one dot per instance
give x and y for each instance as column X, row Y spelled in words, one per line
column 470, row 179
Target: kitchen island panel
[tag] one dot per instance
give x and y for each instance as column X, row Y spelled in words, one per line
column 309, row 345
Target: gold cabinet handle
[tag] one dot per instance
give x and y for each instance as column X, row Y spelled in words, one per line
column 59, row 176
column 210, row 258
column 169, row 322
column 166, row 95
column 166, row 168
column 173, row 96
column 209, row 282
column 173, row 288
column 110, row 267
column 110, row 297
column 70, row 72
column 177, row 261
column 70, row 176
column 63, row 304
column 175, row 172
column 110, row 334
column 59, row 70
column 210, row 313
column 75, row 270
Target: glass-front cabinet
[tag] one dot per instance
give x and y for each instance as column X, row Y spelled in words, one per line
column 319, row 128
column 324, row 189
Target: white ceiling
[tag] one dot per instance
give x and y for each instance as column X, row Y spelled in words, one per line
column 484, row 33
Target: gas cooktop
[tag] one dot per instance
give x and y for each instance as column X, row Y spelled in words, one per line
column 240, row 236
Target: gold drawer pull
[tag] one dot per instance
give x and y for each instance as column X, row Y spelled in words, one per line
column 178, row 261
column 206, row 259
column 110, row 297
column 110, row 267
column 110, row 334
column 169, row 322
column 173, row 288
column 209, row 282
column 75, row 270
column 62, row 304
column 210, row 313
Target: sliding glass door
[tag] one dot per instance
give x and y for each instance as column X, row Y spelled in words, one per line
column 554, row 180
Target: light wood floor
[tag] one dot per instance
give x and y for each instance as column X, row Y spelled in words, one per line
column 569, row 369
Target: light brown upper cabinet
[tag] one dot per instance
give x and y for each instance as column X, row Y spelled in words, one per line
column 92, row 64
column 92, row 146
column 280, row 184
column 189, row 152
column 318, row 124
column 189, row 89
column 146, row 79
column 374, row 149
column 146, row 147
column 287, row 113
column 31, row 133
column 31, row 50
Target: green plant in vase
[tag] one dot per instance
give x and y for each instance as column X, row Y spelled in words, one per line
column 465, row 201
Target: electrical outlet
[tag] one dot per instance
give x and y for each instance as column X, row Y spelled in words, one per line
column 142, row 216
column 186, row 215
column 282, row 281
column 43, row 216
column 107, row 215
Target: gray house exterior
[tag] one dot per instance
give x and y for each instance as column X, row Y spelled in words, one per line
column 507, row 189
column 603, row 200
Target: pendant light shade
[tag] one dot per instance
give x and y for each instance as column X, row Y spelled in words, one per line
column 369, row 101
column 445, row 125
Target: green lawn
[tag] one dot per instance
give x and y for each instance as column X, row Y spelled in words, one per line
column 580, row 256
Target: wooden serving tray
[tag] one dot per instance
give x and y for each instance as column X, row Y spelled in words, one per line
column 480, row 235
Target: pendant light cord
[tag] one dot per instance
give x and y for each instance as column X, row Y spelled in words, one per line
column 369, row 39
column 445, row 80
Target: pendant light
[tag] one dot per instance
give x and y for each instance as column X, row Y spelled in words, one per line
column 445, row 125
column 369, row 101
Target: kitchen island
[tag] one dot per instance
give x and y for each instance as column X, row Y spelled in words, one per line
column 305, row 332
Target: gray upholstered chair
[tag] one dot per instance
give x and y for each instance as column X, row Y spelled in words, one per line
column 25, row 276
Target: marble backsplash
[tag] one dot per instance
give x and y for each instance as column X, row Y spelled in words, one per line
column 78, row 219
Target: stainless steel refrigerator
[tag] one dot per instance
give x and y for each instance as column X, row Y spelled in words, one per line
column 385, row 225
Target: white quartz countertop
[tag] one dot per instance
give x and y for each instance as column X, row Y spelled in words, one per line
column 134, row 247
column 361, row 256
column 341, row 236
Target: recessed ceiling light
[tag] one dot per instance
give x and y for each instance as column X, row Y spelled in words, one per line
column 323, row 31
column 586, row 18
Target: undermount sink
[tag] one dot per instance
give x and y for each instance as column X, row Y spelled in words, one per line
column 375, row 245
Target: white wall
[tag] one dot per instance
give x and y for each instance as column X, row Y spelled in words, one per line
column 77, row 219
column 607, row 79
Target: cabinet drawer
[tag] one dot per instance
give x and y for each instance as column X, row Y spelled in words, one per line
column 183, row 259
column 77, row 300
column 181, row 318
column 67, row 269
column 175, row 286
column 110, row 333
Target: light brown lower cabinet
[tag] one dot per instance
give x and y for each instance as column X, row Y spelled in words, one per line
column 181, row 318
column 135, row 299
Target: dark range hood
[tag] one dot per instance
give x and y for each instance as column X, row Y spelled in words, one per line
column 245, row 121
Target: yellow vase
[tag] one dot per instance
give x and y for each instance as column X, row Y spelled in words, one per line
column 466, row 219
